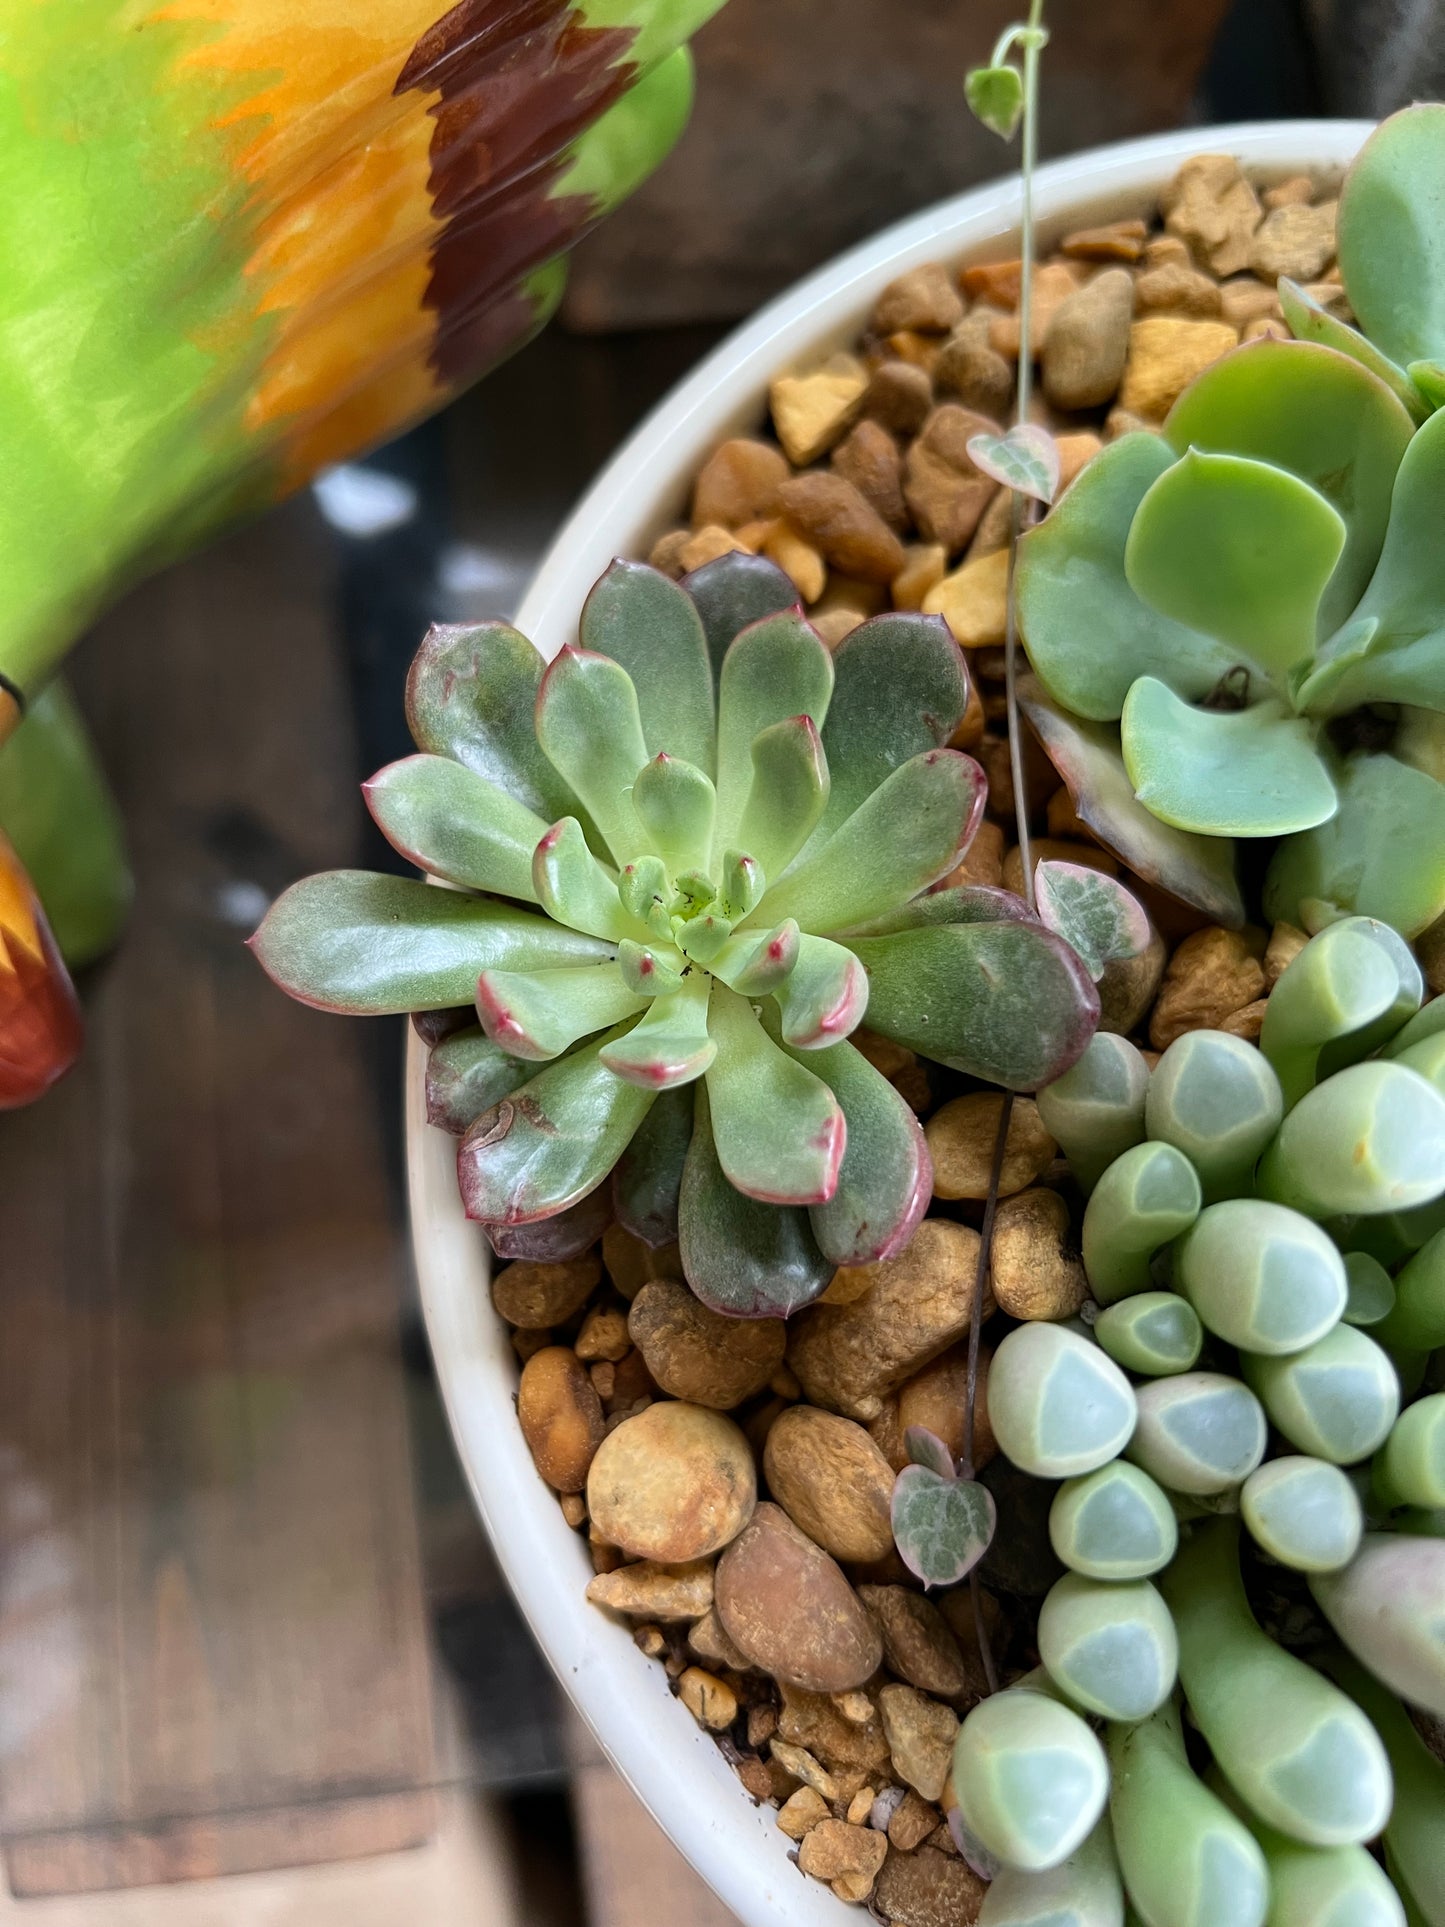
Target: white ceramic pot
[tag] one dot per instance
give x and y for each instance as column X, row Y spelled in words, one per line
column 675, row 1769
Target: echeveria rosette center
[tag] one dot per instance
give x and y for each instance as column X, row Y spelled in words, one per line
column 685, row 858
column 1238, row 630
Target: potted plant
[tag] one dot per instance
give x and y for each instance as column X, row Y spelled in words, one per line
column 676, row 957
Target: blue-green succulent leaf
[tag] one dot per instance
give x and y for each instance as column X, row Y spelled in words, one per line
column 778, row 1130
column 777, row 669
column 1392, row 235
column 733, row 592
column 539, row 1014
column 951, row 903
column 648, row 1177
column 1088, row 634
column 651, row 626
column 1207, row 548
column 1381, row 855
column 676, row 804
column 372, row 946
column 466, row 1074
column 551, row 1142
column 588, row 723
column 1322, row 416
column 1311, row 320
column 886, row 1178
column 669, row 1044
column 446, row 819
column 1223, row 772
column 1427, row 378
column 1009, row 1002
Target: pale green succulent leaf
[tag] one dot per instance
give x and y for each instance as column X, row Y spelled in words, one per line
column 1323, row 417
column 539, row 1014
column 651, row 626
column 778, row 1130
column 1310, row 320
column 471, row 694
column 743, row 883
column 1030, row 1777
column 1089, row 636
column 1114, row 1522
column 653, row 970
column 1205, row 550
column 1007, row 1002
column 1096, row 1109
column 466, row 1074
column 576, row 888
column 370, row 945
column 676, row 805
column 777, row 669
column 1392, row 235
column 1381, row 855
column 1370, row 1139
column 1084, row 1890
column 1304, row 1512
column 1218, row 1100
column 1199, row 870
column 457, row 825
column 1109, row 1645
column 1058, row 1406
column 756, row 965
column 787, row 794
column 1428, row 380
column 733, row 592
column 1148, row 1196
column 1093, row 913
column 741, row 1256
column 549, row 1144
column 669, row 1044
column 1223, row 772
column 942, row 1527
column 912, row 830
column 1336, row 1400
column 1415, row 1831
column 901, row 689
column 589, row 725
column 1344, row 994
column 704, row 938
column 1388, row 1606
column 823, row 997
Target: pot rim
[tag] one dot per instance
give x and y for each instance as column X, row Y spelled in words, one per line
column 673, row 1767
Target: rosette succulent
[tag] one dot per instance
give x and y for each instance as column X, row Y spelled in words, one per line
column 1237, row 626
column 685, row 859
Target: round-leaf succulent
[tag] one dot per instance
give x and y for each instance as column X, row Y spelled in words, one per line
column 686, row 857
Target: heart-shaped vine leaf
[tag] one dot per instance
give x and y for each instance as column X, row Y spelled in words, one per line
column 996, row 97
column 1095, row 914
column 942, row 1527
column 928, row 1449
column 1025, row 459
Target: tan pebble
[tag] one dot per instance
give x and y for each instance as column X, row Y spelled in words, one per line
column 630, row 1262
column 924, row 565
column 917, row 1642
column 526, row 1344
column 1211, row 206
column 1246, row 1023
column 787, row 1605
column 924, row 298
column 650, row 1641
column 1332, row 297
column 762, row 1724
column 604, row 1379
column 1430, row 950
column 834, row 1849
column 1247, row 299
column 605, row 1558
column 969, row 369
column 920, row 1733
column 843, row 525
column 631, row 1382
column 918, row 350
column 1048, row 849
column 1064, row 820
column 1266, row 328
column 560, row 1416
column 1177, row 290
column 752, row 535
column 848, row 592
column 574, row 1509
column 798, row 559
column 944, row 490
column 1129, row 986
column 534, row 1294
column 888, row 1058
column 982, row 860
column 971, row 725
column 1166, row 251
column 1212, row 974
column 912, row 1822
column 738, row 483
column 711, row 1643
column 802, row 1810
column 973, row 601
column 706, row 545
column 937, row 1398
column 855, row 1707
column 834, row 625
column 1115, row 241
column 961, row 1138
column 957, row 1608
column 1087, row 340
column 870, row 459
column 648, row 1590
column 1297, row 240
column 784, row 1383
column 928, row 1888
column 765, row 1780
column 673, row 1483
column 995, row 282
column 1285, row 944
column 695, row 1353
column 849, row 1357
column 1298, row 190
column 848, row 1283
column 813, row 1720
column 994, row 527
column 1122, row 421
column 832, row 1481
column 1054, row 283
column 666, row 552
column 898, row 397
column 710, row 1700
column 1036, row 1270
column 798, row 1761
column 603, row 1335
column 1075, row 453
column 1166, row 352
column 812, row 411
column 860, row 1806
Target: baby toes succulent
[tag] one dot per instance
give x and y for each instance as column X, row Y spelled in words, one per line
column 685, row 857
